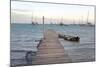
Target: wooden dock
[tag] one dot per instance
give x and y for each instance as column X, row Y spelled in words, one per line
column 50, row 50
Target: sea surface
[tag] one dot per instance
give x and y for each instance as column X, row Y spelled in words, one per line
column 25, row 37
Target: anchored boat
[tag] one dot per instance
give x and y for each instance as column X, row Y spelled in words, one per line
column 69, row 38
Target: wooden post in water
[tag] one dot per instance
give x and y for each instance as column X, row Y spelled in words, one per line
column 43, row 26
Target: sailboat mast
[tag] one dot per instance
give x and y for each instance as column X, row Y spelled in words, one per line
column 61, row 19
column 88, row 17
column 32, row 17
column 82, row 19
column 73, row 20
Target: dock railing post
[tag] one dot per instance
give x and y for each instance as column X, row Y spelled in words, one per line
column 43, row 27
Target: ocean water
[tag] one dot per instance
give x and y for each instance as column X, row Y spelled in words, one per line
column 25, row 37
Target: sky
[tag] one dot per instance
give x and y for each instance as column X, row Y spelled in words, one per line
column 22, row 12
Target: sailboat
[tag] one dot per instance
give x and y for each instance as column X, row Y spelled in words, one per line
column 33, row 23
column 61, row 23
column 82, row 22
column 88, row 23
column 73, row 21
column 51, row 22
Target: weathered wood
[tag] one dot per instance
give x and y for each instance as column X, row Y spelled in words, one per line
column 50, row 50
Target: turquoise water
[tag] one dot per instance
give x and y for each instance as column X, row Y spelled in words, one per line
column 24, row 37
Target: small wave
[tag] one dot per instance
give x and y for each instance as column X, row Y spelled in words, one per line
column 28, row 40
column 87, row 43
column 15, row 40
column 21, row 51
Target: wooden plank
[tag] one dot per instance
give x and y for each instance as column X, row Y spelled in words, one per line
column 50, row 50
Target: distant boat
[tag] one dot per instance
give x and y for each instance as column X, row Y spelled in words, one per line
column 89, row 24
column 87, row 21
column 33, row 23
column 36, row 23
column 61, row 24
